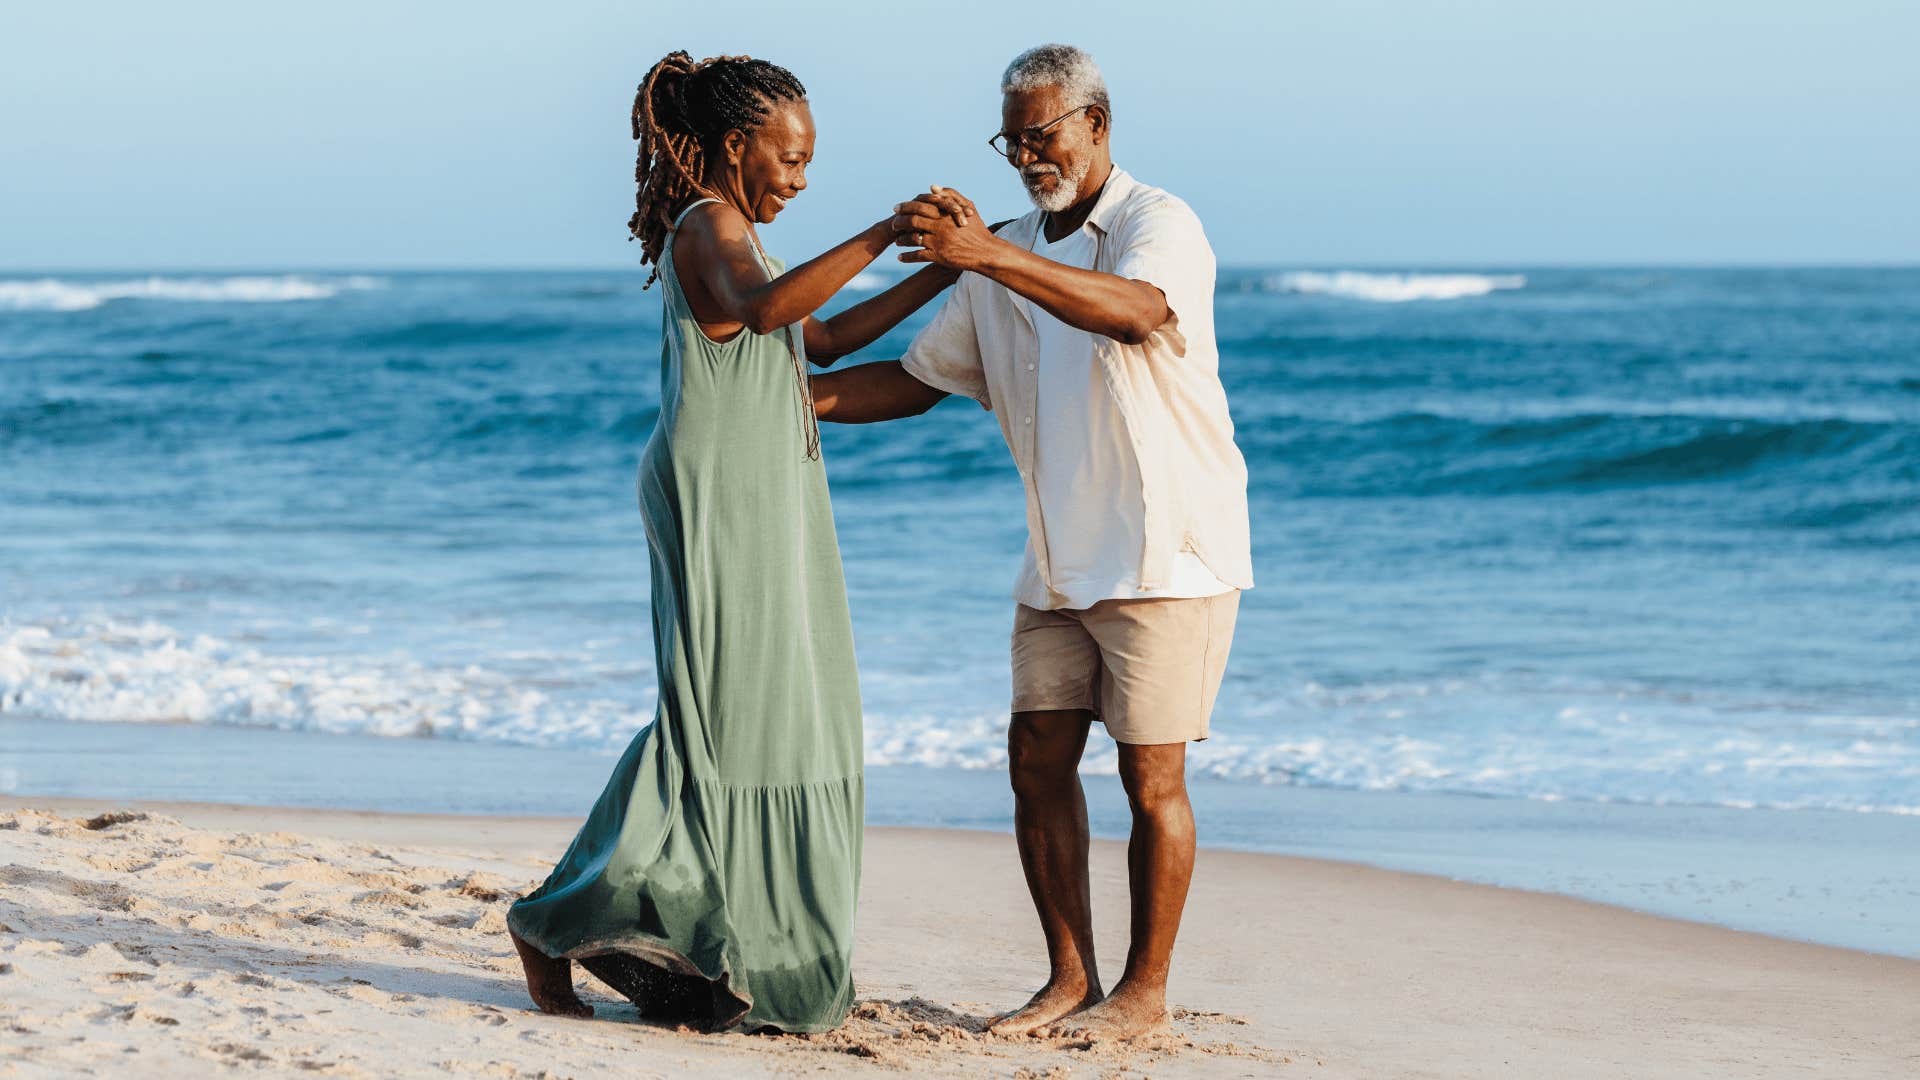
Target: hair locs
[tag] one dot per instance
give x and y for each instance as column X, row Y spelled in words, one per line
column 680, row 113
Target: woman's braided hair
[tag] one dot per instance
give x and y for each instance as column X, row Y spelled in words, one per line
column 680, row 113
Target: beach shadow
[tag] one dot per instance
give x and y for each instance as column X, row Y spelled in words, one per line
column 112, row 919
column 205, row 953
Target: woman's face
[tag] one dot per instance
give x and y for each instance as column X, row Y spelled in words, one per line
column 772, row 162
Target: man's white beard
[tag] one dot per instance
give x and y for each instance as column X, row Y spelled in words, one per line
column 1064, row 193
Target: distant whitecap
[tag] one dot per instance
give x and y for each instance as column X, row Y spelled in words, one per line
column 1392, row 288
column 66, row 294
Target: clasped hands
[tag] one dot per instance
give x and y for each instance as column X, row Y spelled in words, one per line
column 942, row 227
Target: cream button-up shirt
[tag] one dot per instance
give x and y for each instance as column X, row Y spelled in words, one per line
column 1189, row 491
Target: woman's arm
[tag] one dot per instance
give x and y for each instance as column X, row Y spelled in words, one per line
column 870, row 393
column 729, row 288
column 862, row 324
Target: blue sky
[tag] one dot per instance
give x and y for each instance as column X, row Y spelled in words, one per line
column 1351, row 132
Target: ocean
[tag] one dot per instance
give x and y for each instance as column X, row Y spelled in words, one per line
column 1632, row 535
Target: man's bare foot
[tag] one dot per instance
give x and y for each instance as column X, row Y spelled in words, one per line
column 550, row 981
column 1055, row 1000
column 1130, row 1011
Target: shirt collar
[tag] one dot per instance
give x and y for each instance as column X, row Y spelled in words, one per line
column 1112, row 196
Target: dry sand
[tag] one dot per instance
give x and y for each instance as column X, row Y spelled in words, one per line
column 206, row 940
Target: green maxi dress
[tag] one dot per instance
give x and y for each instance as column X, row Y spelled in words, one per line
column 725, row 849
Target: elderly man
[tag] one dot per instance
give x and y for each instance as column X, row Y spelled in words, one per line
column 1087, row 327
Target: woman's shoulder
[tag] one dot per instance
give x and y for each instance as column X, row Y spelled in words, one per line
column 710, row 220
column 715, row 231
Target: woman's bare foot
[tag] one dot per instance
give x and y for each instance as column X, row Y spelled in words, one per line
column 1130, row 1011
column 550, row 981
column 1055, row 1000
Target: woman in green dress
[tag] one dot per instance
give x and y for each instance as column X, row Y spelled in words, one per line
column 714, row 881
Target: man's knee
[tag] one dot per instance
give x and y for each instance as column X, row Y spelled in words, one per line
column 1043, row 750
column 1155, row 777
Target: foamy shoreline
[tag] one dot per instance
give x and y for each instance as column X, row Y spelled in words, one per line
column 214, row 939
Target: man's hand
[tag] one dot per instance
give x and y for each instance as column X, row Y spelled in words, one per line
column 943, row 227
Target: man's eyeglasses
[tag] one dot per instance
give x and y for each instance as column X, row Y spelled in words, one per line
column 1033, row 138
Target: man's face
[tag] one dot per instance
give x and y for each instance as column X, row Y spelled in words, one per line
column 1054, row 171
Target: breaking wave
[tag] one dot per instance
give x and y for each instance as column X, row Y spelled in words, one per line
column 1391, row 288
column 1510, row 736
column 58, row 294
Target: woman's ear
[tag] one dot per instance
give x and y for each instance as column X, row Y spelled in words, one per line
column 734, row 145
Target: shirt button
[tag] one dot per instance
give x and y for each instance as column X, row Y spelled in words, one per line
column 1029, row 367
column 1029, row 419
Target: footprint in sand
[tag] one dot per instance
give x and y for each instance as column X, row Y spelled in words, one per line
column 1201, row 1017
column 111, row 818
column 238, row 1052
column 96, row 894
column 386, row 898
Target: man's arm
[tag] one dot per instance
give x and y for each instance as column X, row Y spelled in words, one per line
column 1123, row 309
column 869, row 393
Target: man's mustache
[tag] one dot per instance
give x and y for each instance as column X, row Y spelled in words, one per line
column 1035, row 172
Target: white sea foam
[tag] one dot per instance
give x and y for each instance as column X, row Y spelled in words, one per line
column 1392, row 288
column 869, row 281
column 1546, row 741
column 149, row 673
column 57, row 294
column 1529, row 769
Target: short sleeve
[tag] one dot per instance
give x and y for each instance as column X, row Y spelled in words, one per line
column 945, row 354
column 1164, row 245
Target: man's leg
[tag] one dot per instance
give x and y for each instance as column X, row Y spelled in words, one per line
column 1050, row 823
column 1159, row 869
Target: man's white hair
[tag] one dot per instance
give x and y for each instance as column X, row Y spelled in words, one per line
column 1070, row 69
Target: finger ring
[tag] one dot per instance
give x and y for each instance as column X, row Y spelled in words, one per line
column 920, row 238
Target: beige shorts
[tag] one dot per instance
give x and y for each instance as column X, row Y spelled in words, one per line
column 1148, row 669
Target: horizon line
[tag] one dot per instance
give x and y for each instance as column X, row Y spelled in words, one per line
column 1368, row 265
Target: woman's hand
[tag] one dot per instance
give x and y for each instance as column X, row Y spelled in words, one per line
column 863, row 323
column 946, row 229
column 946, row 202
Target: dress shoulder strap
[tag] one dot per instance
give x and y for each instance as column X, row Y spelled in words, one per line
column 752, row 239
column 689, row 210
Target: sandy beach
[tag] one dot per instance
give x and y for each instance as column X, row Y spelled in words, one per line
column 210, row 939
